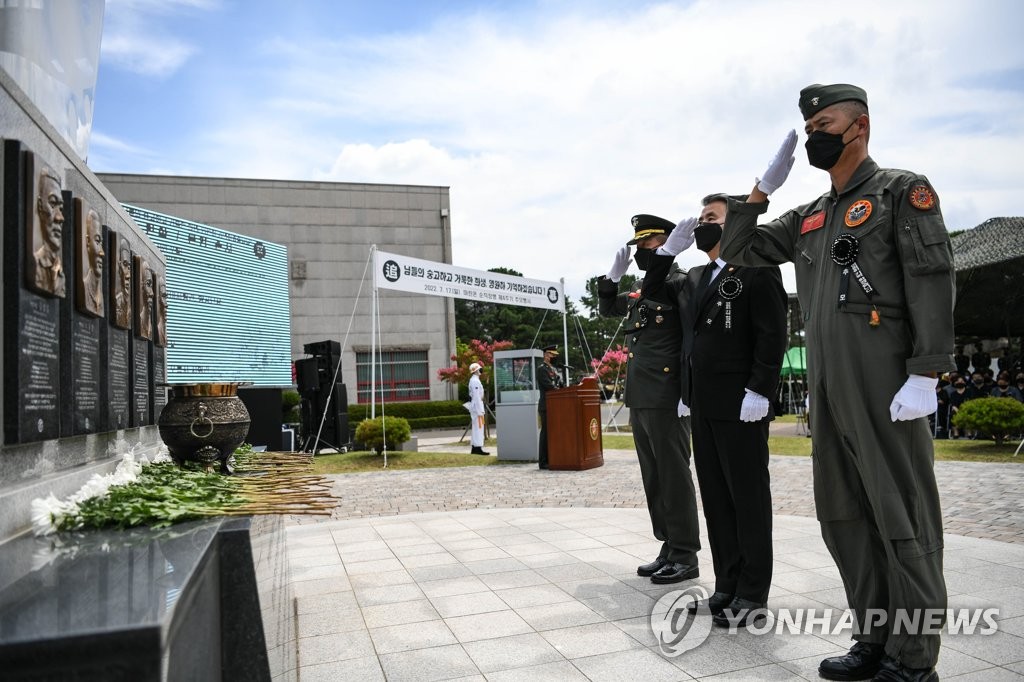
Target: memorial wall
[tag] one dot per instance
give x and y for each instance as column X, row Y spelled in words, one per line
column 84, row 326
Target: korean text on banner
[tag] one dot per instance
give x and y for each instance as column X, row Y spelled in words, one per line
column 414, row 275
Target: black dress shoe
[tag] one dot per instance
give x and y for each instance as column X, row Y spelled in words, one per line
column 713, row 604
column 861, row 662
column 672, row 572
column 893, row 671
column 738, row 613
column 478, row 451
column 650, row 569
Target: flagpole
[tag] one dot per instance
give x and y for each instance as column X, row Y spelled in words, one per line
column 373, row 339
column 565, row 332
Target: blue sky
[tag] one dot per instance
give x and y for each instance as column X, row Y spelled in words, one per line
column 554, row 122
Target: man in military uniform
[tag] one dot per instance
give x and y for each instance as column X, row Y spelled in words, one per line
column 548, row 379
column 476, row 410
column 735, row 337
column 875, row 278
column 653, row 390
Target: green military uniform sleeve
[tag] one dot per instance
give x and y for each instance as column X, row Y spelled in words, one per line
column 744, row 242
column 929, row 282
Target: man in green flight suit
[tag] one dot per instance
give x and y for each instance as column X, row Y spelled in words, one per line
column 875, row 279
column 661, row 426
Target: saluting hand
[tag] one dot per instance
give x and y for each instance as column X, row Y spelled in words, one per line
column 620, row 265
column 680, row 239
column 778, row 169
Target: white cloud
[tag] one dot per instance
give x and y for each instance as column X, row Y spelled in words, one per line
column 552, row 130
column 135, row 40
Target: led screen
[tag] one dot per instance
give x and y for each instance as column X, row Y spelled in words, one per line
column 228, row 317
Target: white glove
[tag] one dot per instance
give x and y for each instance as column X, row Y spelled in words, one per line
column 778, row 169
column 620, row 265
column 682, row 410
column 754, row 407
column 915, row 399
column 680, row 239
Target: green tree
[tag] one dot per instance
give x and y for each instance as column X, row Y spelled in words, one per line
column 600, row 331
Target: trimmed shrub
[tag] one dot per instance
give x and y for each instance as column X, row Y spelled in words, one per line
column 996, row 417
column 290, row 406
column 422, row 416
column 372, row 432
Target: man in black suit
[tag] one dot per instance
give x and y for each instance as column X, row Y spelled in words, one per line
column 653, row 389
column 548, row 379
column 735, row 339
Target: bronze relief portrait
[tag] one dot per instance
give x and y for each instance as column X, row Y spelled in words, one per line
column 143, row 299
column 161, row 310
column 121, row 281
column 91, row 258
column 44, row 271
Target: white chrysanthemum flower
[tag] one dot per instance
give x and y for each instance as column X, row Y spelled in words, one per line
column 47, row 513
column 161, row 458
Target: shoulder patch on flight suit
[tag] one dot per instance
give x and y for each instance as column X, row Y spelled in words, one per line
column 921, row 197
column 812, row 222
column 858, row 213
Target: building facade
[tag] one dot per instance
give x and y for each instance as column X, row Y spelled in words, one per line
column 330, row 229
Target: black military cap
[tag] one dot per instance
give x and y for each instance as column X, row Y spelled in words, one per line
column 550, row 349
column 645, row 225
column 816, row 97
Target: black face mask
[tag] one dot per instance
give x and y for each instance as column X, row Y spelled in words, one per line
column 824, row 149
column 979, row 382
column 1002, row 385
column 707, row 235
column 643, row 258
column 959, row 386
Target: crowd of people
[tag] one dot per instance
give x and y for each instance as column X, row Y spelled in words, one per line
column 974, row 378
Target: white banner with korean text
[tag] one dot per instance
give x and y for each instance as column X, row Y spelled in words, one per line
column 417, row 276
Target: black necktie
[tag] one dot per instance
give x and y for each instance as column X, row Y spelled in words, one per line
column 705, row 279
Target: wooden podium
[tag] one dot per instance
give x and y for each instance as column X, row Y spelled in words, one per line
column 574, row 427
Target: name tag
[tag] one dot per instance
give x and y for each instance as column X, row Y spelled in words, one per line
column 812, row 222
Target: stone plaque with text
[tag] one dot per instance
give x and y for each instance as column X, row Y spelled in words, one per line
column 119, row 389
column 141, row 381
column 32, row 326
column 159, row 388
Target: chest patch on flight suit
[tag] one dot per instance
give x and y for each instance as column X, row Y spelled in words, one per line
column 921, row 197
column 812, row 222
column 858, row 213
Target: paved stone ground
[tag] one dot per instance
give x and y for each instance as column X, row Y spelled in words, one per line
column 982, row 500
column 507, row 572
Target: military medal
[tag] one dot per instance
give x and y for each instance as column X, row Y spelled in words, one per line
column 844, row 252
column 728, row 289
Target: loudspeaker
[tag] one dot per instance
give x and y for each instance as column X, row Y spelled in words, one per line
column 323, row 348
column 335, row 430
column 265, row 416
column 307, row 377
